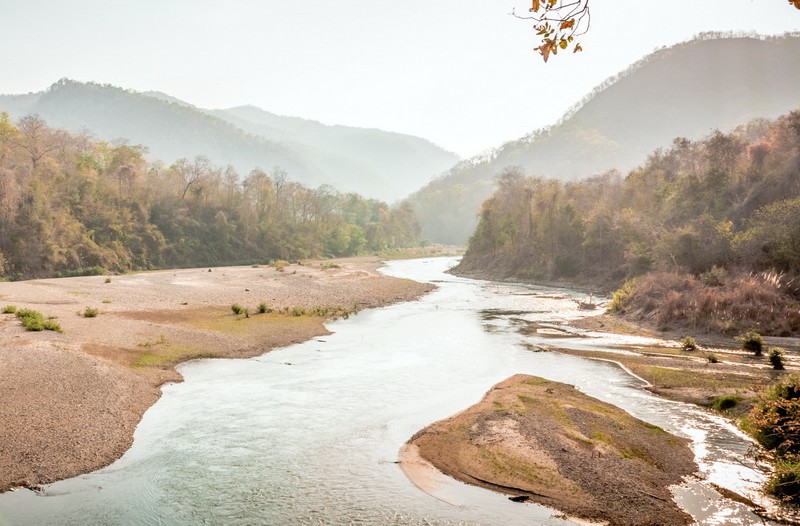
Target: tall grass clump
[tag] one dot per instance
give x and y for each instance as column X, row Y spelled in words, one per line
column 263, row 308
column 9, row 309
column 688, row 344
column 775, row 356
column 752, row 341
column 90, row 312
column 237, row 309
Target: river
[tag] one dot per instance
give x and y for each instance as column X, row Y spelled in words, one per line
column 310, row 434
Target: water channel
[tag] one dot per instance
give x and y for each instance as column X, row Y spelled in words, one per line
column 310, row 434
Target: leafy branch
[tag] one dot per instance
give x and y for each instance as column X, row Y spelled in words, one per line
column 559, row 23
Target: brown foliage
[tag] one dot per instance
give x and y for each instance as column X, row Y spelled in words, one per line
column 740, row 303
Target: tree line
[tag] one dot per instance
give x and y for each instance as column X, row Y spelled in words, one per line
column 729, row 203
column 71, row 205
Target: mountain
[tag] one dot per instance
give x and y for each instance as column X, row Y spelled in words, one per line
column 371, row 162
column 397, row 157
column 687, row 90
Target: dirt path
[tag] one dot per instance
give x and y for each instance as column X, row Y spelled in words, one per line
column 71, row 400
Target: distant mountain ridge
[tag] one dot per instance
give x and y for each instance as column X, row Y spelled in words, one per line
column 245, row 137
column 687, row 90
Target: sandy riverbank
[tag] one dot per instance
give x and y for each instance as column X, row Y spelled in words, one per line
column 546, row 442
column 71, row 401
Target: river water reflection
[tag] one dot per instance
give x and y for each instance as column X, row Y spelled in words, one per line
column 310, row 434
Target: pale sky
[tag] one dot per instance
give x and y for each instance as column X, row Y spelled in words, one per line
column 460, row 73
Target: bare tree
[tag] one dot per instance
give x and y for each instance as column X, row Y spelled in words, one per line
column 35, row 138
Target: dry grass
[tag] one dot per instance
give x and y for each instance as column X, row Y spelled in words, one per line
column 740, row 303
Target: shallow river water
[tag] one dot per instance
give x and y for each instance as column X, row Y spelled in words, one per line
column 310, row 434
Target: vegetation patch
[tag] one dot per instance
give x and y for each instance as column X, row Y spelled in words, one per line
column 90, row 312
column 775, row 423
column 168, row 356
column 725, row 402
column 35, row 321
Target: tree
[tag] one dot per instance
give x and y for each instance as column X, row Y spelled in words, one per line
column 560, row 22
column 35, row 138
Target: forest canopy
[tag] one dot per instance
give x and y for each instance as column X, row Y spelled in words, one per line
column 72, row 205
column 714, row 210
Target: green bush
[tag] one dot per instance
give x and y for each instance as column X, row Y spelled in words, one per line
column 50, row 325
column 620, row 298
column 775, row 355
column 9, row 309
column 752, row 341
column 237, row 309
column 263, row 308
column 688, row 344
column 90, row 312
column 712, row 358
column 785, row 480
column 34, row 321
column 725, row 402
column 96, row 270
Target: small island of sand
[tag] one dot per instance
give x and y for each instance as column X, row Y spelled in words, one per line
column 546, row 442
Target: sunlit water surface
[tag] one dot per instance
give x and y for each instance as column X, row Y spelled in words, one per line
column 310, row 434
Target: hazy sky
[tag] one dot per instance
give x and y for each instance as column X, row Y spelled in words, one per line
column 460, row 73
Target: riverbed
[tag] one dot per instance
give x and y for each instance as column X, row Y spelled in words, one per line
column 310, row 434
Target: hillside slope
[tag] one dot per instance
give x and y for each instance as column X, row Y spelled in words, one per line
column 350, row 159
column 687, row 90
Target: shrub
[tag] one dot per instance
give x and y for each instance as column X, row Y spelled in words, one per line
column 688, row 344
column 9, row 309
column 263, row 308
column 715, row 277
column 752, row 341
column 297, row 311
column 90, row 312
column 50, row 325
column 108, row 280
column 785, row 480
column 96, row 270
column 776, row 358
column 621, row 297
column 34, row 321
column 775, row 421
column 237, row 309
column 725, row 402
column 712, row 358
column 280, row 265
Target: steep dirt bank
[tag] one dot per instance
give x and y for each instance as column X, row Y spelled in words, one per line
column 530, row 437
column 71, row 401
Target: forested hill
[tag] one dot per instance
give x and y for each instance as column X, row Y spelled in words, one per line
column 718, row 218
column 687, row 90
column 69, row 205
column 351, row 159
